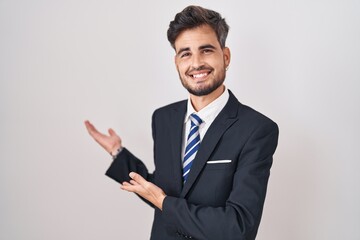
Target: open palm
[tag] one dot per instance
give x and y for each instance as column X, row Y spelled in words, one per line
column 111, row 143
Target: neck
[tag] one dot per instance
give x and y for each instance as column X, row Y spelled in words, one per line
column 199, row 102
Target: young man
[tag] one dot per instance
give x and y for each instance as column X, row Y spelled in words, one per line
column 212, row 154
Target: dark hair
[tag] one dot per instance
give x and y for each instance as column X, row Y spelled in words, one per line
column 195, row 16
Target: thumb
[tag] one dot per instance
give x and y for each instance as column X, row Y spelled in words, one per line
column 111, row 132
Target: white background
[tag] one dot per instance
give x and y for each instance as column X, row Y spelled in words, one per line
column 61, row 62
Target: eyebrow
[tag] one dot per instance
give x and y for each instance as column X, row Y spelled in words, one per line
column 206, row 46
column 200, row 48
column 182, row 50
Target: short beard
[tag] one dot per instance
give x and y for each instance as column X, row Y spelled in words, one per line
column 203, row 91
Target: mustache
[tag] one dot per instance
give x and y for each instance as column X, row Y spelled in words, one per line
column 202, row 67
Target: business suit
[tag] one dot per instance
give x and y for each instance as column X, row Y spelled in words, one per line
column 221, row 200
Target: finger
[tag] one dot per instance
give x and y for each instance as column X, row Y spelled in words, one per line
column 133, row 182
column 132, row 188
column 124, row 187
column 112, row 132
column 88, row 125
column 126, row 184
column 91, row 129
column 138, row 178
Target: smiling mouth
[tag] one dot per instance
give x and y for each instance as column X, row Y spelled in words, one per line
column 200, row 76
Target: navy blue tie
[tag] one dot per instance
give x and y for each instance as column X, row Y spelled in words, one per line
column 192, row 145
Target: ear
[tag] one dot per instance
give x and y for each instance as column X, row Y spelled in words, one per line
column 227, row 56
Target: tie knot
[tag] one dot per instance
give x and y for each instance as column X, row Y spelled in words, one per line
column 195, row 120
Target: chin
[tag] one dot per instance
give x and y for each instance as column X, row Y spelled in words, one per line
column 201, row 91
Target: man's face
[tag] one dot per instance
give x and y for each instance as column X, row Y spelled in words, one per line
column 200, row 60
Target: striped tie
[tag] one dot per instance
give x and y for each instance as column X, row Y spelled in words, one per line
column 192, row 145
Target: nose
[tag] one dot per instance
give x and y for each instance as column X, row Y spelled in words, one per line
column 197, row 61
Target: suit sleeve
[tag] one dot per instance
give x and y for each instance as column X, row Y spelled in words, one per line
column 240, row 217
column 126, row 162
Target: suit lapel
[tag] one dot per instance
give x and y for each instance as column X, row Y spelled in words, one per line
column 177, row 122
column 222, row 122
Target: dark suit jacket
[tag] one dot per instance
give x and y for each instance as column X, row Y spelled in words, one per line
column 219, row 201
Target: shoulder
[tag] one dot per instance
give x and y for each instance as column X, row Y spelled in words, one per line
column 253, row 115
column 256, row 121
column 179, row 106
column 250, row 118
column 169, row 114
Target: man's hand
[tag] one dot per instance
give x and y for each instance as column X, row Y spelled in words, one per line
column 111, row 143
column 145, row 189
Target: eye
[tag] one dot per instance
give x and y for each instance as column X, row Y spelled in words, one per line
column 207, row 50
column 185, row 54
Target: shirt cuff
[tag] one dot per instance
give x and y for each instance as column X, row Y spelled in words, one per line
column 118, row 151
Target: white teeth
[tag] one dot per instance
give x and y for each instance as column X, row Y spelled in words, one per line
column 200, row 75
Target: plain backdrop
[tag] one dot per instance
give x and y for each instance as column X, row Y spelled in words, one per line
column 62, row 62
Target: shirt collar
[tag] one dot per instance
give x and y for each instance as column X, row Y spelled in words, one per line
column 208, row 113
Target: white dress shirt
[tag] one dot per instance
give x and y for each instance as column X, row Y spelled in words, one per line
column 207, row 115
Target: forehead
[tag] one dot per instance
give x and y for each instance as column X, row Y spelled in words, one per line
column 195, row 37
